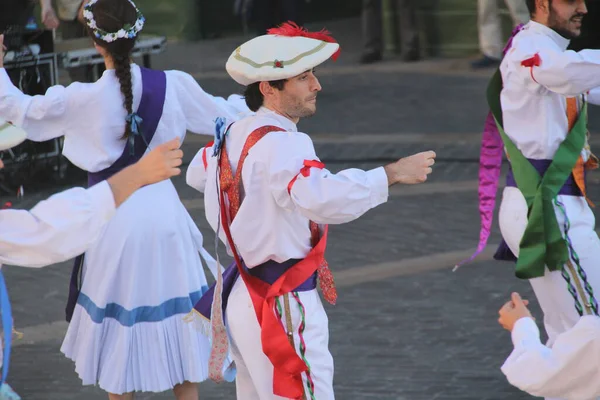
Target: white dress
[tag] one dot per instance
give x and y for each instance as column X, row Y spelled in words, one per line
column 144, row 274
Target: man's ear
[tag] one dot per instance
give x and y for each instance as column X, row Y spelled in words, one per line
column 266, row 89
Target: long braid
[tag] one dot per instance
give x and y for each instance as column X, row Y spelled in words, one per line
column 112, row 16
column 123, row 73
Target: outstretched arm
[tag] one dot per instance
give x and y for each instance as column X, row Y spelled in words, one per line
column 568, row 72
column 299, row 180
column 67, row 223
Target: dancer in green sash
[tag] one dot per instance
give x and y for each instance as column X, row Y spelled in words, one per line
column 539, row 100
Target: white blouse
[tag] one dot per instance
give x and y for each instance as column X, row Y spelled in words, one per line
column 91, row 116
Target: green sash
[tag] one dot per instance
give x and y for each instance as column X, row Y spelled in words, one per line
column 542, row 243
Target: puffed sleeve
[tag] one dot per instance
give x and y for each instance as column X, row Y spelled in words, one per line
column 201, row 109
column 567, row 72
column 298, row 180
column 569, row 370
column 56, row 229
column 43, row 117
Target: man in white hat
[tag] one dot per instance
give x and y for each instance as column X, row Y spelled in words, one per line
column 64, row 225
column 269, row 198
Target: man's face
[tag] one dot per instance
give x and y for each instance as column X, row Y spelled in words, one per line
column 298, row 98
column 565, row 16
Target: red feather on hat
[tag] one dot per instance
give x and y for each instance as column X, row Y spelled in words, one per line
column 291, row 29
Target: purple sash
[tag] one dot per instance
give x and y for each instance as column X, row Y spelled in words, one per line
column 570, row 188
column 268, row 272
column 154, row 86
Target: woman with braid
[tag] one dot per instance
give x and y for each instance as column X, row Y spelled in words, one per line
column 133, row 287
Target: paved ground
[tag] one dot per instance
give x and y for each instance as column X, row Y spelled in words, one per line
column 406, row 327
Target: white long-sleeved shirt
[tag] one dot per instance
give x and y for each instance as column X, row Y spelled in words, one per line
column 569, row 370
column 272, row 223
column 56, row 229
column 534, row 98
column 91, row 116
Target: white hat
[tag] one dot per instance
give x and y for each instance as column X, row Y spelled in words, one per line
column 282, row 53
column 10, row 135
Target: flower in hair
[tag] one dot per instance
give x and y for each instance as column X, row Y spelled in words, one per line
column 128, row 31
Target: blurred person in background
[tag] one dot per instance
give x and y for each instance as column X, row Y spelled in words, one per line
column 373, row 33
column 490, row 29
column 68, row 18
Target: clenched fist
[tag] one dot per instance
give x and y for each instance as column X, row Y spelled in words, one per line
column 512, row 311
column 410, row 170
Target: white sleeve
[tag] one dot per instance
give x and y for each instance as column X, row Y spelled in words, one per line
column 201, row 109
column 318, row 194
column 196, row 171
column 56, row 229
column 593, row 97
column 567, row 72
column 43, row 117
column 571, row 369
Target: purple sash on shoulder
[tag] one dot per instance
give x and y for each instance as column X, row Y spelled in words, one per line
column 268, row 272
column 154, row 86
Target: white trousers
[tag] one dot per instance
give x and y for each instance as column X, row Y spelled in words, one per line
column 254, row 379
column 551, row 290
column 489, row 23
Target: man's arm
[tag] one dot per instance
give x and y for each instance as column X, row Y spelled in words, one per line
column 565, row 72
column 571, row 369
column 67, row 223
column 299, row 181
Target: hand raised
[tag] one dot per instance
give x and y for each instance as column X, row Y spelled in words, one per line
column 512, row 311
column 411, row 170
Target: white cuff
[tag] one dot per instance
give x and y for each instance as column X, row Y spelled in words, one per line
column 525, row 331
column 378, row 182
column 103, row 200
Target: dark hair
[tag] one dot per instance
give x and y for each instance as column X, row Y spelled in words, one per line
column 110, row 16
column 531, row 6
column 254, row 98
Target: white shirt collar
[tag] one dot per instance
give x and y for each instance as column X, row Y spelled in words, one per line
column 561, row 41
column 285, row 122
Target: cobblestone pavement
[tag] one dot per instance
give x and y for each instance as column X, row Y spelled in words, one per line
column 424, row 333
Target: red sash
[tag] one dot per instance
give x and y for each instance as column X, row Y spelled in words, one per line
column 288, row 366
